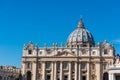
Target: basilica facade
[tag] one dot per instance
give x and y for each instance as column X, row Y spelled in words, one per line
column 79, row 59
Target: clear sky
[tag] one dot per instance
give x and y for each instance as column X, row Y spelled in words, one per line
column 48, row 21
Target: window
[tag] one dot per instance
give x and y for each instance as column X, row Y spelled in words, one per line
column 48, row 77
column 93, row 52
column 104, row 66
column 65, row 65
column 40, row 52
column 105, row 51
column 83, row 51
column 83, row 66
column 65, row 77
column 106, row 76
column 29, row 51
column 73, row 67
column 48, row 65
column 83, row 77
column 28, row 65
column 58, row 66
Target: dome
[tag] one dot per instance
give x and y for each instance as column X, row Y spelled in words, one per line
column 80, row 37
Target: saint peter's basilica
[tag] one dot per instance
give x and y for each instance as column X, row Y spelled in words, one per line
column 79, row 59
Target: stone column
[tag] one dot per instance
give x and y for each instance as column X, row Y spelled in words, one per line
column 55, row 71
column 113, row 76
column 110, row 76
column 43, row 71
column 33, row 71
column 98, row 71
column 79, row 68
column 61, row 71
column 23, row 68
column 52, row 73
column 69, row 71
column 76, row 71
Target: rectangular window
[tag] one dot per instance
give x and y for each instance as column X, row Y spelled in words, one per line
column 48, row 77
column 58, row 65
column 48, row 65
column 93, row 53
column 105, row 51
column 65, row 65
column 83, row 66
column 83, row 77
column 65, row 77
column 28, row 65
column 104, row 66
column 29, row 51
column 73, row 67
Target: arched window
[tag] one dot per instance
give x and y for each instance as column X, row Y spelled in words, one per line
column 105, row 76
column 29, row 75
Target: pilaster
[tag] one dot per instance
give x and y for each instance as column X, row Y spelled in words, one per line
column 33, row 70
column 79, row 68
column 52, row 73
column 76, row 71
column 23, row 68
column 88, row 72
column 55, row 71
column 69, row 71
column 98, row 71
column 61, row 71
column 43, row 70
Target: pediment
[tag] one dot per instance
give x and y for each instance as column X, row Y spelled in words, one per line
column 66, row 54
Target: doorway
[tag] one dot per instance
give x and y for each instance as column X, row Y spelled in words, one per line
column 28, row 75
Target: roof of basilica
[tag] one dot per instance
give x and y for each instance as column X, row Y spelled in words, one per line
column 81, row 35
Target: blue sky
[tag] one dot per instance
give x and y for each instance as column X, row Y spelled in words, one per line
column 48, row 21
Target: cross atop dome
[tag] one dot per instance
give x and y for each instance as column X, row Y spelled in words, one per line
column 81, row 24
